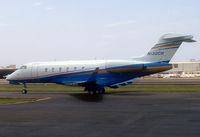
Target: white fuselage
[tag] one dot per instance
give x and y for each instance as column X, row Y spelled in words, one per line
column 41, row 69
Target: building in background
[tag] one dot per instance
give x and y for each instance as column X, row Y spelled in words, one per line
column 7, row 70
column 185, row 67
column 181, row 69
column 12, row 66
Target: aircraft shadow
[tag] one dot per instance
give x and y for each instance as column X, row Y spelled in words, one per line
column 87, row 97
column 131, row 93
column 99, row 97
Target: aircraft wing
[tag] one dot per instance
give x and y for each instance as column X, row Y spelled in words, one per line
column 124, row 83
column 91, row 80
column 93, row 77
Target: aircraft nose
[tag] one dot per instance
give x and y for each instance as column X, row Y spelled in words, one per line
column 9, row 77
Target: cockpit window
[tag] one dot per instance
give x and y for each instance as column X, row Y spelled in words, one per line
column 23, row 67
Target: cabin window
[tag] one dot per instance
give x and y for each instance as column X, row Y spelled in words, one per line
column 46, row 69
column 75, row 68
column 23, row 67
column 83, row 68
column 60, row 69
column 53, row 69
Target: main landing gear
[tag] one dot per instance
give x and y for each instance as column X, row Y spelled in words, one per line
column 24, row 91
column 94, row 91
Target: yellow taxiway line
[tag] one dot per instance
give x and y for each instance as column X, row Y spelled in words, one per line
column 37, row 100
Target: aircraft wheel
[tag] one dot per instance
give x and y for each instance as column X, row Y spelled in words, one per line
column 24, row 91
column 103, row 91
column 94, row 92
column 99, row 91
column 89, row 92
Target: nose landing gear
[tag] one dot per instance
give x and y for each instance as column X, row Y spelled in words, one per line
column 24, row 91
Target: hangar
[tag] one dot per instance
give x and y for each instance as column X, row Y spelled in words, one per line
column 7, row 70
column 186, row 67
column 181, row 69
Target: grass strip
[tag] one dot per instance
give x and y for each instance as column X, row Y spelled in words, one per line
column 128, row 88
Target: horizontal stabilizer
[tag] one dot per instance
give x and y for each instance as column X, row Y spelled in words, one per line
column 176, row 38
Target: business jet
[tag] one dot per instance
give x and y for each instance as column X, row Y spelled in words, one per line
column 95, row 75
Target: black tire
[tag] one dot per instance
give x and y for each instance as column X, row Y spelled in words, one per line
column 94, row 92
column 89, row 92
column 98, row 91
column 24, row 91
column 103, row 91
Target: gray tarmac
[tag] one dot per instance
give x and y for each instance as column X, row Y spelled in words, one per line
column 127, row 114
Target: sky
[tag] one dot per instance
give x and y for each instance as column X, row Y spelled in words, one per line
column 49, row 30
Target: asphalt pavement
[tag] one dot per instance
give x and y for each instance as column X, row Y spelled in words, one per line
column 127, row 114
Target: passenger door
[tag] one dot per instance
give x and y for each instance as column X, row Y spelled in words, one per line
column 34, row 70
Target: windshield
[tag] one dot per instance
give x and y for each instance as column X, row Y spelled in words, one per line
column 23, row 67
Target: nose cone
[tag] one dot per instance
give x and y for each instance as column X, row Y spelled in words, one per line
column 9, row 77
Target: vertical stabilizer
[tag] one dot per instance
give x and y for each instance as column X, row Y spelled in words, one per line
column 166, row 47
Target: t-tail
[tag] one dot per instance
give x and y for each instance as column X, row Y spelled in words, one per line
column 166, row 47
